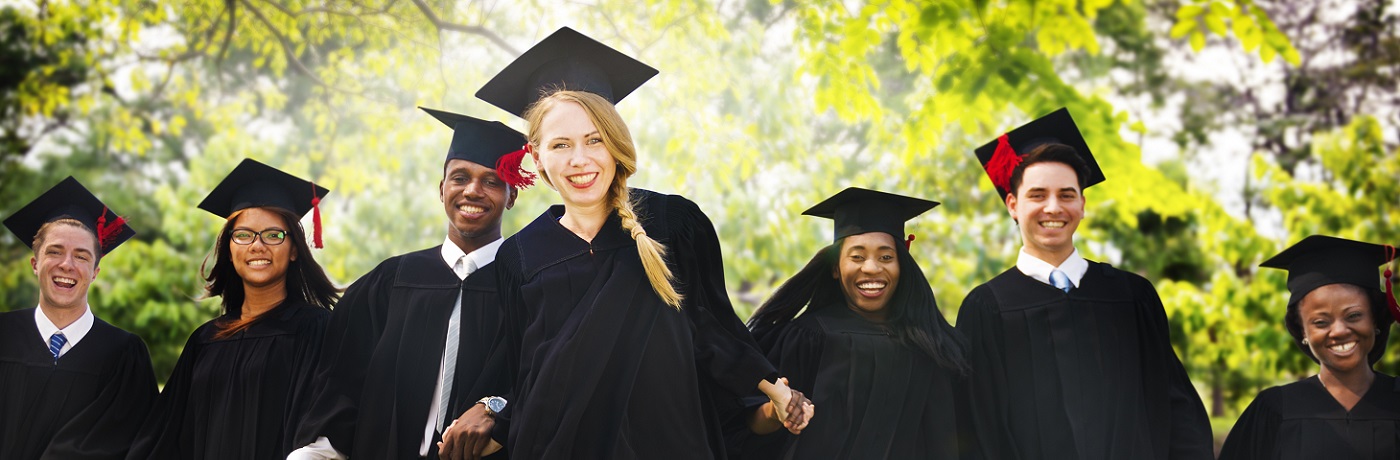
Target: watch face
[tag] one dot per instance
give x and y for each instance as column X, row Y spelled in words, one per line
column 496, row 404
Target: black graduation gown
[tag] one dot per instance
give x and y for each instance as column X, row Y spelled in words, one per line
column 239, row 397
column 383, row 352
column 1301, row 420
column 605, row 368
column 88, row 405
column 1090, row 374
column 876, row 398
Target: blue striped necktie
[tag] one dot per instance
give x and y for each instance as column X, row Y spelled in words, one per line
column 1060, row 280
column 56, row 342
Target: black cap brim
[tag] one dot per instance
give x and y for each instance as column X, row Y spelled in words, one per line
column 70, row 200
column 476, row 140
column 1319, row 260
column 565, row 60
column 1057, row 127
column 858, row 210
column 253, row 184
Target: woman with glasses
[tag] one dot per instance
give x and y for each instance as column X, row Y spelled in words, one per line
column 244, row 379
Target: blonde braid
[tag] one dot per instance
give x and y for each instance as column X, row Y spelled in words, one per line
column 652, row 253
column 619, row 144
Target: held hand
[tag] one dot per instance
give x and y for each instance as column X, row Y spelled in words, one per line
column 469, row 436
column 791, row 407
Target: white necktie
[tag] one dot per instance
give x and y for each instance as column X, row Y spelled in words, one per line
column 449, row 351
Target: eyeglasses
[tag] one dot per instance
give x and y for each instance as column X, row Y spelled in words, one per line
column 270, row 237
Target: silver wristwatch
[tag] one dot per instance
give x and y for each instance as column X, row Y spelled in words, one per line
column 494, row 404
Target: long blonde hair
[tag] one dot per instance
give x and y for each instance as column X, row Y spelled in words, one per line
column 618, row 141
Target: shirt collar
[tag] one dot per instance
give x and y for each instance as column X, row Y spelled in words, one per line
column 481, row 256
column 74, row 332
column 1073, row 267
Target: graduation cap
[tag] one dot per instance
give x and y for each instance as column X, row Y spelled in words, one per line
column 857, row 210
column 70, row 200
column 1001, row 156
column 1322, row 260
column 565, row 60
column 488, row 143
column 253, row 184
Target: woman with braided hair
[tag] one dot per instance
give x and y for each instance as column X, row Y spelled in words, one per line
column 624, row 341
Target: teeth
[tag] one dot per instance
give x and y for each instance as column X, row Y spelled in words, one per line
column 65, row 281
column 259, row 262
column 1052, row 224
column 582, row 178
column 1343, row 348
column 871, row 285
column 467, row 208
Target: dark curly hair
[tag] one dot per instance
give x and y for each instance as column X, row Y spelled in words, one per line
column 1380, row 314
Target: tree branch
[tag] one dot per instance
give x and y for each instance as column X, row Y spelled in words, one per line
column 288, row 50
column 442, row 25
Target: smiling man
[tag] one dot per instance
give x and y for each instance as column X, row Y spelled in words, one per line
column 70, row 383
column 401, row 332
column 1071, row 358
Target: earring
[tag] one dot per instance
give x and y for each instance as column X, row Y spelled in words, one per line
column 1305, row 341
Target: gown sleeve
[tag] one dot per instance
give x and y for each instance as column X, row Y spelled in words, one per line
column 986, row 389
column 349, row 341
column 105, row 428
column 1255, row 434
column 1191, row 436
column 158, row 437
column 310, row 336
column 505, row 361
column 724, row 350
column 796, row 351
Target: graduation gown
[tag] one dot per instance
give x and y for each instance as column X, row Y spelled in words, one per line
column 384, row 348
column 1088, row 374
column 876, row 398
column 1301, row 420
column 239, row 397
column 87, row 405
column 605, row 369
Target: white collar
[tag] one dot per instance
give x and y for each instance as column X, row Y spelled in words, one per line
column 481, row 256
column 1073, row 267
column 74, row 332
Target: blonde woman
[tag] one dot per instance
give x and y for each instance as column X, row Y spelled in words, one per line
column 627, row 345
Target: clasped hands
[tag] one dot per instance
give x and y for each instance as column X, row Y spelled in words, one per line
column 469, row 436
column 787, row 406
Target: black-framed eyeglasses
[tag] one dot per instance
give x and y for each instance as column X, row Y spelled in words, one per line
column 270, row 237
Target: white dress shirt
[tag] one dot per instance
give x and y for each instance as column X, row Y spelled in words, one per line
column 74, row 332
column 1073, row 267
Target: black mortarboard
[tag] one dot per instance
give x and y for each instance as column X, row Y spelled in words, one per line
column 565, row 60
column 1321, row 260
column 857, row 210
column 253, row 184
column 476, row 140
column 1057, row 127
column 69, row 199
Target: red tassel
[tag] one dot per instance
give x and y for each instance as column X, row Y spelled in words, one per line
column 909, row 242
column 1004, row 161
column 508, row 167
column 1390, row 284
column 315, row 218
column 107, row 234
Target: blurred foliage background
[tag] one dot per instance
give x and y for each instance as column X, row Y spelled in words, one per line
column 1227, row 129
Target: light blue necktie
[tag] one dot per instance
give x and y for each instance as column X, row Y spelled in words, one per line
column 56, row 342
column 449, row 351
column 1060, row 280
